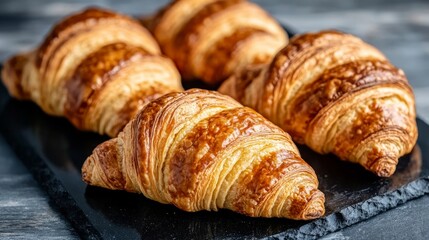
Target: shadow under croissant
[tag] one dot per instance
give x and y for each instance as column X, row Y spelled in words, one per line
column 57, row 138
column 345, row 183
column 204, row 224
column 413, row 169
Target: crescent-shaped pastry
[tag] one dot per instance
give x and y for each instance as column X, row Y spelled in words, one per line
column 201, row 150
column 96, row 67
column 210, row 39
column 336, row 94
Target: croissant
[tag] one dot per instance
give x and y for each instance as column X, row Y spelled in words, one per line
column 201, row 150
column 96, row 67
column 209, row 39
column 336, row 94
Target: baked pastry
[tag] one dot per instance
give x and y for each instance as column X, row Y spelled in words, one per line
column 201, row 150
column 96, row 67
column 209, row 39
column 336, row 94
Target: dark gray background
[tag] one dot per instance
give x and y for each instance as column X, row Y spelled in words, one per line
column 399, row 28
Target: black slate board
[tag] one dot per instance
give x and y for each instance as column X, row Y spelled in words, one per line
column 54, row 152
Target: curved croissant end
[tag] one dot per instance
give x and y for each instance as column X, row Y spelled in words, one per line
column 210, row 39
column 95, row 67
column 201, row 150
column 334, row 93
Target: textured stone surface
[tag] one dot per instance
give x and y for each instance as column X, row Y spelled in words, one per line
column 408, row 221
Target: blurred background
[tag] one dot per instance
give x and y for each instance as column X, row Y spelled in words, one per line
column 399, row 28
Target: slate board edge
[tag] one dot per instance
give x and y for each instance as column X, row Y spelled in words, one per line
column 50, row 184
column 358, row 212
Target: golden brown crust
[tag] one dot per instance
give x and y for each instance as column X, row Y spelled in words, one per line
column 136, row 103
column 334, row 93
column 267, row 176
column 109, row 169
column 321, row 47
column 188, row 35
column 339, row 82
column 214, row 135
column 193, row 39
column 224, row 50
column 200, row 150
column 90, row 68
column 93, row 73
column 81, row 22
column 13, row 70
column 54, row 37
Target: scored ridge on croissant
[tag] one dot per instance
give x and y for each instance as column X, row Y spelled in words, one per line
column 201, row 150
column 336, row 94
column 210, row 39
column 95, row 67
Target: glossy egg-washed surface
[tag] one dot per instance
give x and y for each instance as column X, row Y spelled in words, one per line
column 209, row 39
column 96, row 68
column 201, row 150
column 93, row 73
column 336, row 94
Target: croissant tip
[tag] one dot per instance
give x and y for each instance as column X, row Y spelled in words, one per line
column 11, row 77
column 87, row 167
column 315, row 208
column 384, row 167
